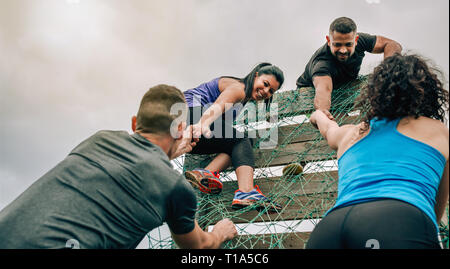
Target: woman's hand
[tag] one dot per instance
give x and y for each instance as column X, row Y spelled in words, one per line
column 315, row 116
column 200, row 129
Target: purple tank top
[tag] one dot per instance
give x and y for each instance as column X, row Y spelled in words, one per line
column 203, row 94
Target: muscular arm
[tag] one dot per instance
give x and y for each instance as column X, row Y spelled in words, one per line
column 198, row 239
column 322, row 100
column 387, row 46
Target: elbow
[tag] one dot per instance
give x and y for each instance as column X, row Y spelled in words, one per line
column 392, row 48
column 398, row 47
column 330, row 137
column 331, row 144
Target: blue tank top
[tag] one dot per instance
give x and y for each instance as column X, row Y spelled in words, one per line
column 203, row 94
column 388, row 164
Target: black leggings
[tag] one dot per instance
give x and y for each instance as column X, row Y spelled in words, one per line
column 384, row 224
column 226, row 139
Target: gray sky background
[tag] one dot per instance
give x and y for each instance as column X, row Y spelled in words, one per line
column 69, row 68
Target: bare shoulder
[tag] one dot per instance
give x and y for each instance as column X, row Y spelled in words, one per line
column 429, row 131
column 226, row 83
column 424, row 125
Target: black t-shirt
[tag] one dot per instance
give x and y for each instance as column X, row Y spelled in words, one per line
column 323, row 63
column 109, row 192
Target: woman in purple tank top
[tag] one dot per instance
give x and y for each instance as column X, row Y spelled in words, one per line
column 209, row 104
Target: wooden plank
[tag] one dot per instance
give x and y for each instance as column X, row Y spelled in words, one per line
column 302, row 197
column 301, row 132
column 302, row 152
column 297, row 152
column 266, row 241
column 295, row 207
column 308, row 183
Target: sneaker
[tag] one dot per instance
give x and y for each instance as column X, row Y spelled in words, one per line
column 244, row 199
column 204, row 180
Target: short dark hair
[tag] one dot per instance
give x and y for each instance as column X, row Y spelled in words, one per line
column 405, row 85
column 343, row 25
column 154, row 114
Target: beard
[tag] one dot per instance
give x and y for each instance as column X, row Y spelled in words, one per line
column 342, row 57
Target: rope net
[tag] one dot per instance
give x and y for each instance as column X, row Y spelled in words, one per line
column 281, row 137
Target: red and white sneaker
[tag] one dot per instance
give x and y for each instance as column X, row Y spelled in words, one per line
column 204, row 180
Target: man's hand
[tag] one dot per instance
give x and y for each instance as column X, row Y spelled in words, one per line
column 327, row 113
column 198, row 239
column 187, row 143
column 225, row 230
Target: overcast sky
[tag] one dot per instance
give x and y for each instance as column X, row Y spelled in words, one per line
column 69, row 68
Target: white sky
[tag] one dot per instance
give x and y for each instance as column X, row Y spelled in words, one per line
column 72, row 67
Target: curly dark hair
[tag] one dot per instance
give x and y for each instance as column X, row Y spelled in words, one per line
column 405, row 85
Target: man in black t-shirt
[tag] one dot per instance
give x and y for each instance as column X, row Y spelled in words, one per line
column 339, row 60
column 114, row 188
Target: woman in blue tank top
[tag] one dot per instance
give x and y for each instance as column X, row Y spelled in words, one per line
column 393, row 167
column 213, row 107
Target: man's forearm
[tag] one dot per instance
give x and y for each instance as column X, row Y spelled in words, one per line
column 322, row 100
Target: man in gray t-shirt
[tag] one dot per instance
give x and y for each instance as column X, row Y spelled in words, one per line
column 113, row 188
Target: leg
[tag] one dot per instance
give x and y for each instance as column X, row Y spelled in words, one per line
column 220, row 163
column 248, row 193
column 244, row 174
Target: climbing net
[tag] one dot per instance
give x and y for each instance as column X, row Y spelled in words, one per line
column 304, row 197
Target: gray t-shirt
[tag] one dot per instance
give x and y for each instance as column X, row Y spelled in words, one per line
column 109, row 192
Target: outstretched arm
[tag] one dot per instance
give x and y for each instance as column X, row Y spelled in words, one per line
column 387, row 46
column 225, row 101
column 322, row 99
column 329, row 129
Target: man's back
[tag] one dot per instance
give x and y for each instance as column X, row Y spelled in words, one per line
column 108, row 193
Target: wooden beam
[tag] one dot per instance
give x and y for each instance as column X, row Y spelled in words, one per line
column 302, row 152
column 301, row 197
column 274, row 241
